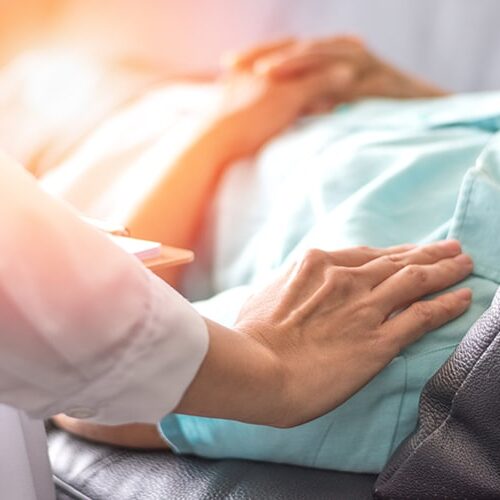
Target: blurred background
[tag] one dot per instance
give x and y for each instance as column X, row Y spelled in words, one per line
column 455, row 43
column 67, row 65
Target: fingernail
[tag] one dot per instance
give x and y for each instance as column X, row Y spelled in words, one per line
column 450, row 244
column 464, row 294
column 464, row 260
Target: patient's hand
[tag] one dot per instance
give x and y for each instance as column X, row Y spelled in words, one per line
column 352, row 70
column 255, row 108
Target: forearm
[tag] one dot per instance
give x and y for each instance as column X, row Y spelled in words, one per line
column 172, row 212
column 83, row 324
column 239, row 379
column 139, row 436
column 285, row 364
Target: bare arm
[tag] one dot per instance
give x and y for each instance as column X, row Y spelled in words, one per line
column 172, row 211
column 316, row 335
column 119, row 345
column 284, row 363
column 267, row 88
column 252, row 110
column 142, row 436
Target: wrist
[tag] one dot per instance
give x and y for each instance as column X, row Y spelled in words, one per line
column 224, row 134
column 239, row 379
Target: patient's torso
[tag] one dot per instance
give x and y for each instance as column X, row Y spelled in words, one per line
column 380, row 173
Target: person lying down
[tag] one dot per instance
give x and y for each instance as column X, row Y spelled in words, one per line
column 377, row 173
column 138, row 149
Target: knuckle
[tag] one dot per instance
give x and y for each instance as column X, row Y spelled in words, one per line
column 394, row 257
column 416, row 274
column 364, row 249
column 314, row 257
column 431, row 252
column 446, row 270
column 451, row 267
column 447, row 309
column 424, row 314
column 396, row 260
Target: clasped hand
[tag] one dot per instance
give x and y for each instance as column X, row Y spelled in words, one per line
column 268, row 87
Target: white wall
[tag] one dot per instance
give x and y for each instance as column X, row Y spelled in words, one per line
column 456, row 43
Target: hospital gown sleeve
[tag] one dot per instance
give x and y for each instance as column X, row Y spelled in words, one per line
column 85, row 329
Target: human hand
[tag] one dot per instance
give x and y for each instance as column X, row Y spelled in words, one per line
column 352, row 70
column 335, row 320
column 254, row 108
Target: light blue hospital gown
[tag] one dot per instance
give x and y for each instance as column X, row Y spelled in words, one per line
column 378, row 173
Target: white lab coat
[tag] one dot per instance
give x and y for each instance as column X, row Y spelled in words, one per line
column 84, row 328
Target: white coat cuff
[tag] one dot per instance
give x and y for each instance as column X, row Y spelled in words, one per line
column 150, row 377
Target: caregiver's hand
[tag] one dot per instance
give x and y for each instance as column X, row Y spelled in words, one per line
column 352, row 70
column 319, row 333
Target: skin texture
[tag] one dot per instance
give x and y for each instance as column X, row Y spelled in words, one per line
column 142, row 436
column 252, row 110
column 283, row 348
column 264, row 91
column 292, row 317
column 350, row 68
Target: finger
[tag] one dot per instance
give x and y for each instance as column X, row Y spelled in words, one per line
column 316, row 261
column 425, row 316
column 382, row 268
column 349, row 40
column 321, row 106
column 336, row 82
column 245, row 60
column 355, row 257
column 301, row 60
column 290, row 64
column 329, row 87
column 414, row 281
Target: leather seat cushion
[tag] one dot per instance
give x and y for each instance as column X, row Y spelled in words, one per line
column 85, row 470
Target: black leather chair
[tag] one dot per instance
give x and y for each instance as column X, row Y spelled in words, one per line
column 84, row 470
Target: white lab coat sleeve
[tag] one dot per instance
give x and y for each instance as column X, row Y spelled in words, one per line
column 84, row 328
